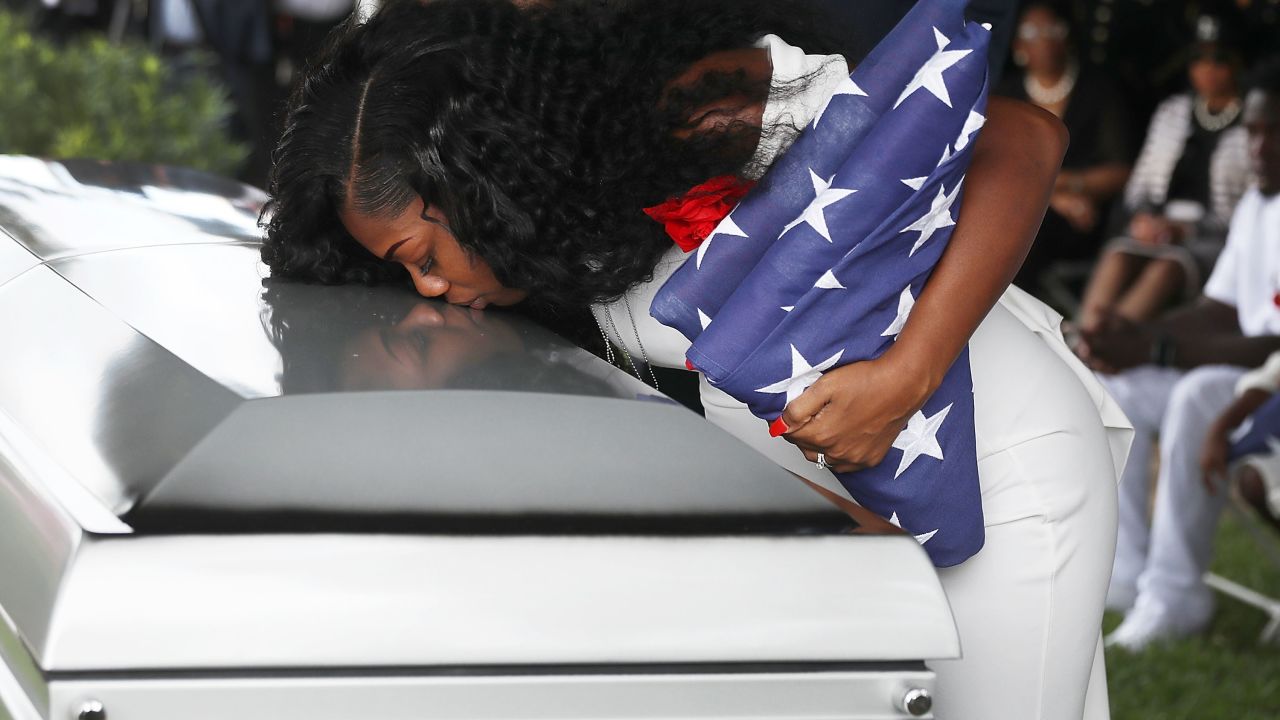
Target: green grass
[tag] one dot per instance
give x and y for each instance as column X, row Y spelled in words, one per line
column 1222, row 675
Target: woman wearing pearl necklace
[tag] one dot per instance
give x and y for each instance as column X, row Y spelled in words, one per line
column 1096, row 166
column 1192, row 170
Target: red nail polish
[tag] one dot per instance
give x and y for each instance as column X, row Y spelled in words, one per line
column 689, row 365
column 778, row 427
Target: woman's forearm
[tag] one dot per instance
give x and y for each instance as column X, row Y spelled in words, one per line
column 1010, row 179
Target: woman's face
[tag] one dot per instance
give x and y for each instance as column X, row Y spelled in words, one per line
column 427, row 248
column 1212, row 75
column 1042, row 39
column 427, row 349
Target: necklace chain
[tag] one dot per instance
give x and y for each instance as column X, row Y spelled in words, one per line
column 626, row 302
column 608, row 344
column 1056, row 92
column 1213, row 122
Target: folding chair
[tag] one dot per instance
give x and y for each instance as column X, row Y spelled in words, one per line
column 1271, row 548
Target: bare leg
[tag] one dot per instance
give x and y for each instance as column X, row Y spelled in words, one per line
column 1113, row 273
column 1158, row 283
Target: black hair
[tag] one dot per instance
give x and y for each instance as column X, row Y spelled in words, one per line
column 541, row 133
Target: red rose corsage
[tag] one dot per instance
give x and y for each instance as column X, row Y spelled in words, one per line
column 690, row 218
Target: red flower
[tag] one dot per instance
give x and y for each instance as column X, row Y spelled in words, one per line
column 690, row 218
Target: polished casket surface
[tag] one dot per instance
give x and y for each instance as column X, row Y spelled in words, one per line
column 200, row 470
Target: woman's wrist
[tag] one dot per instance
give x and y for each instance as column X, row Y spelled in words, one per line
column 916, row 371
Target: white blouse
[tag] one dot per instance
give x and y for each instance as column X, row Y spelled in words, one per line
column 1027, row 382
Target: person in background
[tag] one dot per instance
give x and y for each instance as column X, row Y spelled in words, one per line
column 1097, row 162
column 1191, row 173
column 1257, row 474
column 1174, row 377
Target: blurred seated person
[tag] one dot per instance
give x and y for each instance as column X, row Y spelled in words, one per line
column 1191, row 173
column 1174, row 377
column 1256, row 448
column 1097, row 162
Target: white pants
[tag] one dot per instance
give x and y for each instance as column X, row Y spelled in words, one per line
column 1028, row 606
column 1166, row 560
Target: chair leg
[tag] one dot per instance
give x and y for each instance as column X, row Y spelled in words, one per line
column 1269, row 605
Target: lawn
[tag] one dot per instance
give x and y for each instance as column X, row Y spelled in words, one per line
column 1223, row 675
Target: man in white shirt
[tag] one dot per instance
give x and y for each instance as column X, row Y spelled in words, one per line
column 1173, row 378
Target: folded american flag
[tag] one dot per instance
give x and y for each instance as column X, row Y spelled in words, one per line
column 820, row 264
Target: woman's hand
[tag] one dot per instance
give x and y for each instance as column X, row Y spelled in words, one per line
column 853, row 413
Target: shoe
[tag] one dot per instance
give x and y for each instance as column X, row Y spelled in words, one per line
column 1149, row 623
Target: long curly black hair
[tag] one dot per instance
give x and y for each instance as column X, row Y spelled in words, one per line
column 540, row 132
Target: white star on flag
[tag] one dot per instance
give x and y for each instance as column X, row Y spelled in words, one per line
column 922, row 539
column 703, row 319
column 802, row 375
column 938, row 217
column 920, row 437
column 905, row 302
column 846, row 87
column 726, row 227
column 915, row 183
column 828, row 281
column 972, row 124
column 929, row 77
column 823, row 196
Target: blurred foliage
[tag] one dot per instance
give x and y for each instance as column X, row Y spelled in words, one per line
column 89, row 98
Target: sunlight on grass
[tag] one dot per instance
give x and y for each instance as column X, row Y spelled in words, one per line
column 1223, row 675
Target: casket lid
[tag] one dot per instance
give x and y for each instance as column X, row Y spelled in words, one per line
column 149, row 358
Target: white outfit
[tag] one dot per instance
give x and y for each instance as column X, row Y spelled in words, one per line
column 1050, row 445
column 1159, row 567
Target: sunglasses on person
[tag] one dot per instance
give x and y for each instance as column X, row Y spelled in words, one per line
column 1029, row 32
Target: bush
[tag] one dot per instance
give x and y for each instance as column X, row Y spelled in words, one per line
column 92, row 99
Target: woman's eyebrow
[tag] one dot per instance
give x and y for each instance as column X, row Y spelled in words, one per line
column 391, row 251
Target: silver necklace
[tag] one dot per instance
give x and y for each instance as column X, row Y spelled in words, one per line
column 608, row 343
column 1055, row 93
column 1213, row 122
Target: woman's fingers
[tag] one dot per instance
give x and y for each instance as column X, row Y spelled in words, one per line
column 851, row 414
column 800, row 411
